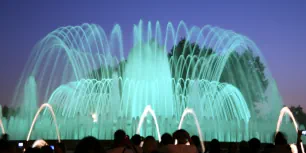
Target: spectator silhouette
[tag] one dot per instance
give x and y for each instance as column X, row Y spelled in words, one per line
column 214, row 146
column 46, row 149
column 89, row 145
column 254, row 145
column 4, row 147
column 281, row 144
column 184, row 144
column 32, row 150
column 197, row 142
column 136, row 140
column 166, row 139
column 268, row 148
column 121, row 143
column 150, row 145
column 182, row 137
column 232, row 148
column 60, row 148
column 243, row 147
column 5, row 137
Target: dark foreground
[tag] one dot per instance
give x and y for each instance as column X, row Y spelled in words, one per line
column 179, row 141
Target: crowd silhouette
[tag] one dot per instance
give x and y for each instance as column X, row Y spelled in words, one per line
column 179, row 142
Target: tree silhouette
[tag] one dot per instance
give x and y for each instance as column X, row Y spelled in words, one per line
column 246, row 72
column 184, row 60
column 5, row 111
column 299, row 114
column 243, row 70
column 8, row 112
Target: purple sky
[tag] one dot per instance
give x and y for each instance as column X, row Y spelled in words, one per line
column 278, row 28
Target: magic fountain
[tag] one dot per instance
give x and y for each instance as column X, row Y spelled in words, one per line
column 91, row 88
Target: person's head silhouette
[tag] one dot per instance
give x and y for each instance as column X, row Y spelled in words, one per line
column 119, row 137
column 136, row 139
column 181, row 136
column 254, row 145
column 166, row 139
column 280, row 139
column 46, row 149
column 89, row 145
column 214, row 146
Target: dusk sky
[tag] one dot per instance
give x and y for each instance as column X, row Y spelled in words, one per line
column 278, row 28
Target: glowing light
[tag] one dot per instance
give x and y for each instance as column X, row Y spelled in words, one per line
column 45, row 105
column 293, row 148
column 147, row 110
column 39, row 143
column 94, row 117
column 190, row 111
column 284, row 111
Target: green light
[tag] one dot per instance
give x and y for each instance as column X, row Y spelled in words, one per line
column 80, row 71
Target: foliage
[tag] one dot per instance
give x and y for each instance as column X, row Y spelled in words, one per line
column 243, row 70
column 8, row 112
column 247, row 73
column 107, row 71
column 184, row 60
column 299, row 114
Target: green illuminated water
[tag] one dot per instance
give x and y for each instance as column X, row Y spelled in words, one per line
column 95, row 89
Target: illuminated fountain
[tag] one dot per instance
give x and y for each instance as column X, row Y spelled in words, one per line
column 1, row 124
column 46, row 105
column 94, row 89
column 190, row 111
column 283, row 112
column 2, row 128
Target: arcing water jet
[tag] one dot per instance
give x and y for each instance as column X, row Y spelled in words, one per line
column 80, row 70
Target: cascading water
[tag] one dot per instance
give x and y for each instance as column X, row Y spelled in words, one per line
column 94, row 90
